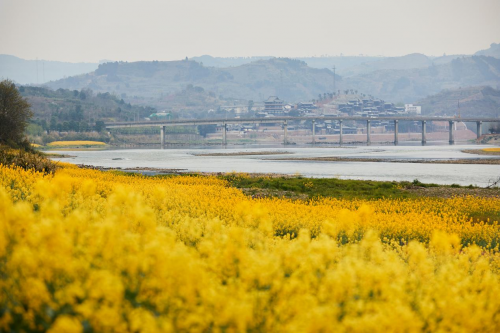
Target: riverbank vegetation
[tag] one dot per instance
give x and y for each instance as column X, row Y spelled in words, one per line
column 84, row 250
column 27, row 159
column 302, row 187
column 298, row 187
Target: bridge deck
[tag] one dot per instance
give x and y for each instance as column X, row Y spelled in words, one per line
column 194, row 122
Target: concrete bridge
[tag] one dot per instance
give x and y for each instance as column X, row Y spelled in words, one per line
column 224, row 122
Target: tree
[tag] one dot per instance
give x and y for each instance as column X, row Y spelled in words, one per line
column 15, row 113
column 53, row 123
column 99, row 125
column 203, row 130
column 494, row 128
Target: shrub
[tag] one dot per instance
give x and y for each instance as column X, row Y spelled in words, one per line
column 26, row 159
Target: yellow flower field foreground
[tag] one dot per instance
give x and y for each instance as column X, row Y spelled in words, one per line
column 84, row 250
column 75, row 143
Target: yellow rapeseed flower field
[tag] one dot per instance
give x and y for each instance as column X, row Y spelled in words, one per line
column 75, row 143
column 492, row 149
column 84, row 250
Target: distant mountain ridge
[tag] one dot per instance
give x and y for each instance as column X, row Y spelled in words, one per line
column 466, row 102
column 39, row 71
column 341, row 63
column 25, row 71
column 492, row 51
column 149, row 82
column 220, row 62
column 415, row 60
column 395, row 79
column 347, row 66
column 292, row 80
column 413, row 84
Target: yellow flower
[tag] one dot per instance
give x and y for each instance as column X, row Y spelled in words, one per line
column 134, row 253
column 66, row 324
column 75, row 143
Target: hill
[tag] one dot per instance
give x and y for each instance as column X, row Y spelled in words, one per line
column 470, row 102
column 151, row 82
column 341, row 63
column 396, row 79
column 39, row 71
column 196, row 102
column 78, row 110
column 222, row 62
column 409, row 61
column 493, row 51
column 406, row 85
column 345, row 65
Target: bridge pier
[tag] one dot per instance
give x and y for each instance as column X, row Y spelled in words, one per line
column 162, row 136
column 314, row 131
column 424, row 125
column 368, row 129
column 224, row 134
column 452, row 137
column 396, row 130
column 479, row 129
column 341, row 141
column 285, row 130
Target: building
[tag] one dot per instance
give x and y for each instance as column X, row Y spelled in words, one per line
column 160, row 116
column 273, row 106
column 415, row 109
column 306, row 106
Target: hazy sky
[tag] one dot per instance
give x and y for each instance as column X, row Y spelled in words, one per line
column 130, row 30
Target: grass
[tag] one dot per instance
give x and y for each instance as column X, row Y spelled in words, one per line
column 299, row 187
column 307, row 188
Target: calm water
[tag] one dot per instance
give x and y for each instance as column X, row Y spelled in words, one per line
column 186, row 159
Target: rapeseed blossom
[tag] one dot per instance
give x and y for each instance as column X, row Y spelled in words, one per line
column 75, row 143
column 84, row 250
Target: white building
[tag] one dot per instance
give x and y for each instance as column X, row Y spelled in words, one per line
column 415, row 109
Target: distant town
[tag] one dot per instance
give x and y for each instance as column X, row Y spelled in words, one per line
column 348, row 104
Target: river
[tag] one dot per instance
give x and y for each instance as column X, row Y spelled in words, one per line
column 186, row 159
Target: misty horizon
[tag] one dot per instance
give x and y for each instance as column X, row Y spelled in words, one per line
column 257, row 57
column 73, row 31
